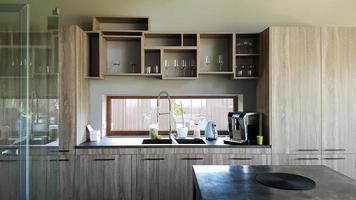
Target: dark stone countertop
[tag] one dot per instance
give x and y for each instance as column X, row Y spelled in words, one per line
column 238, row 182
column 136, row 142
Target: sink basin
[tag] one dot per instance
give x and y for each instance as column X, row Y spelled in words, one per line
column 161, row 141
column 190, row 141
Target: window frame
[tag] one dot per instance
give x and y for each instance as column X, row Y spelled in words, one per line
column 110, row 132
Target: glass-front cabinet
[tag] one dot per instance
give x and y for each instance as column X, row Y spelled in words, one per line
column 29, row 107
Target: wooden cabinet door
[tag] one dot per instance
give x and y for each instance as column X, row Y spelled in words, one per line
column 96, row 177
column 233, row 159
column 37, row 173
column 295, row 91
column 9, row 177
column 339, row 92
column 182, row 175
column 302, row 159
column 342, row 163
column 66, row 165
column 152, row 177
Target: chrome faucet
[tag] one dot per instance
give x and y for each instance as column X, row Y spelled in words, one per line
column 165, row 113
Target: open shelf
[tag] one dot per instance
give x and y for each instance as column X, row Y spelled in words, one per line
column 189, row 40
column 246, row 67
column 152, row 61
column 179, row 64
column 247, row 56
column 123, row 55
column 94, row 60
column 121, row 23
column 247, row 44
column 162, row 40
column 216, row 52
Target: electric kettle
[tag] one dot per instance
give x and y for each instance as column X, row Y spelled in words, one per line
column 211, row 133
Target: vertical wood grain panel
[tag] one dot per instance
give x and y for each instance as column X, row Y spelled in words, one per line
column 295, row 70
column 338, row 89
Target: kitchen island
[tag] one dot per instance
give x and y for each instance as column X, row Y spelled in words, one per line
column 212, row 182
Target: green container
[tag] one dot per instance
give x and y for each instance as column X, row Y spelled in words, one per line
column 260, row 140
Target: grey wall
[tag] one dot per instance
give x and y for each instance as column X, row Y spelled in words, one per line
column 216, row 15
column 213, row 85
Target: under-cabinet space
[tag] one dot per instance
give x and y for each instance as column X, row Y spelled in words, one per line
column 189, row 39
column 123, row 55
column 121, row 23
column 94, row 53
column 216, row 53
column 179, row 64
column 152, row 62
column 162, row 39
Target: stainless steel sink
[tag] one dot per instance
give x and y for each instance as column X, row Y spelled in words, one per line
column 161, row 141
column 190, row 141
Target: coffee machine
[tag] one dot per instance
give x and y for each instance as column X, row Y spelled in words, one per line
column 243, row 127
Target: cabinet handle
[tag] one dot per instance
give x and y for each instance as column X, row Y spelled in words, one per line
column 153, row 159
column 59, row 160
column 8, row 160
column 104, row 159
column 240, row 158
column 307, row 149
column 334, row 158
column 307, row 159
column 192, row 158
column 62, row 151
column 334, row 149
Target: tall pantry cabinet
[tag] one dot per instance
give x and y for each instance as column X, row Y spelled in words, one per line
column 339, row 98
column 312, row 96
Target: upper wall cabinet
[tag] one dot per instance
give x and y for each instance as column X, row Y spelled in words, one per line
column 339, row 93
column 124, row 46
column 295, row 91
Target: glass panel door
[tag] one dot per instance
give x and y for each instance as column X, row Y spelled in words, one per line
column 28, row 103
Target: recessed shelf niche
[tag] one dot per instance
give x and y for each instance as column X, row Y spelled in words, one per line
column 121, row 23
column 179, row 64
column 123, row 55
column 94, row 60
column 162, row 40
column 152, row 62
column 216, row 53
column 247, row 56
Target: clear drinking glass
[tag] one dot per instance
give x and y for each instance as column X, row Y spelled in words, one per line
column 207, row 62
column 166, row 67
column 220, row 62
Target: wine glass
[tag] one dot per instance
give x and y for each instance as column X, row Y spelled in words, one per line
column 220, row 62
column 166, row 67
column 183, row 67
column 176, row 66
column 207, row 62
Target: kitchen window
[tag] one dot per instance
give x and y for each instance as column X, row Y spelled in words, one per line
column 132, row 115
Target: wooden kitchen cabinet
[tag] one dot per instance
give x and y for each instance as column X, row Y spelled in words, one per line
column 342, row 163
column 295, row 90
column 103, row 177
column 66, row 166
column 338, row 85
column 74, row 87
column 153, row 177
column 9, row 176
column 182, row 174
column 302, row 159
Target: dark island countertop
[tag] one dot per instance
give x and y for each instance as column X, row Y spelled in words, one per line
column 238, row 182
column 136, row 142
